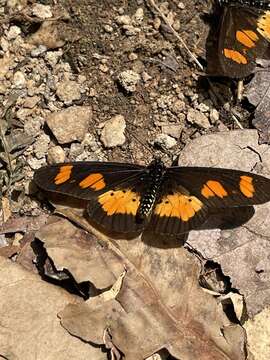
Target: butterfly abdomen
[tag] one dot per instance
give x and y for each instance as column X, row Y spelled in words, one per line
column 153, row 180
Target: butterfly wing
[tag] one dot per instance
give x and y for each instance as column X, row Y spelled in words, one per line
column 113, row 190
column 190, row 193
column 241, row 38
column 85, row 179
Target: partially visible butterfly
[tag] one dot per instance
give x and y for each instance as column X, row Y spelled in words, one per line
column 127, row 198
column 243, row 36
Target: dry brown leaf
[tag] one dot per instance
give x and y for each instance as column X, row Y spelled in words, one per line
column 258, row 332
column 30, row 328
column 23, row 224
column 159, row 305
column 243, row 252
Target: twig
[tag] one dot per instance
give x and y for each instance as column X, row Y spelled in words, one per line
column 164, row 18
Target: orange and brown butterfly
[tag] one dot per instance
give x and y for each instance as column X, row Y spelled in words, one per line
column 127, row 198
column 243, row 36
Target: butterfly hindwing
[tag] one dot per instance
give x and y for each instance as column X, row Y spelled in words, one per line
column 177, row 210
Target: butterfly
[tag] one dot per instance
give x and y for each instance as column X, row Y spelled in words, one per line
column 242, row 37
column 128, row 198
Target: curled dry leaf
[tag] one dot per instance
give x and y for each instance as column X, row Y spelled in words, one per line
column 30, row 328
column 159, row 305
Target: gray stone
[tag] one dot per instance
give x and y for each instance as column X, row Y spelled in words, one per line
column 112, row 133
column 68, row 91
column 42, row 11
column 70, row 124
column 41, row 146
column 198, row 118
column 129, row 80
column 165, row 141
column 173, row 130
column 56, row 155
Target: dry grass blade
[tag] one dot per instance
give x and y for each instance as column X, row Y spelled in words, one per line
column 164, row 18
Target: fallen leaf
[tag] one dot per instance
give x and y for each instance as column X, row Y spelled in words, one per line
column 159, row 304
column 258, row 333
column 30, row 328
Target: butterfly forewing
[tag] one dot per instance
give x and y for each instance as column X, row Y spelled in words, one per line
column 220, row 188
column 85, row 180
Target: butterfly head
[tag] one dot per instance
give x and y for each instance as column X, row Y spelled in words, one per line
column 157, row 166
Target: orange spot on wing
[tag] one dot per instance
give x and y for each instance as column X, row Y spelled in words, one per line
column 263, row 25
column 247, row 38
column 246, row 186
column 213, row 188
column 178, row 205
column 94, row 181
column 120, row 202
column 235, row 56
column 63, row 175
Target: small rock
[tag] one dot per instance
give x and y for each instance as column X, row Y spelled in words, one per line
column 132, row 56
column 165, row 141
column 48, row 35
column 138, row 16
column 75, row 151
column 203, row 107
column 173, row 130
column 41, row 49
column 53, row 57
column 13, row 32
column 198, row 118
column 181, row 5
column 70, row 124
column 123, row 20
column 214, row 116
column 4, row 44
column 35, row 163
column 19, row 80
column 32, row 126
column 178, row 107
column 112, row 133
column 131, row 30
column 3, row 88
column 41, row 146
column 68, row 91
column 31, row 101
column 90, row 142
column 145, row 76
column 42, row 11
column 5, row 63
column 104, row 68
column 108, row 28
column 129, row 79
column 156, row 23
column 56, row 155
